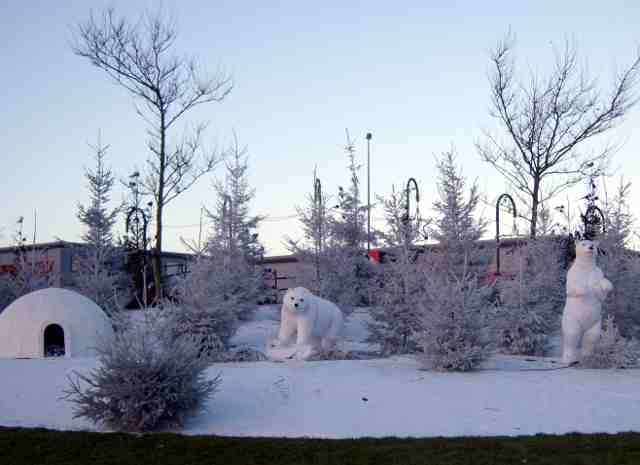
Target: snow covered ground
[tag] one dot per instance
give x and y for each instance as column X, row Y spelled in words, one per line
column 353, row 398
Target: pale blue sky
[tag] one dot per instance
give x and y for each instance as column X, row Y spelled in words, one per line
column 412, row 73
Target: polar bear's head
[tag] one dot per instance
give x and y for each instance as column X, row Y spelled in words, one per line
column 586, row 250
column 297, row 299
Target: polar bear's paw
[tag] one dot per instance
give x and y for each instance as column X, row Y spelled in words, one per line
column 304, row 352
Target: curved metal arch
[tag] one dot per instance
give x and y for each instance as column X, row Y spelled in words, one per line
column 513, row 205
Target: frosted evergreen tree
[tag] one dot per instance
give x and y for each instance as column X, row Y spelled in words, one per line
column 100, row 275
column 310, row 250
column 455, row 225
column 620, row 263
column 395, row 315
column 453, row 306
column 234, row 228
column 226, row 282
column 337, row 267
column 346, row 280
column 455, row 334
column 530, row 305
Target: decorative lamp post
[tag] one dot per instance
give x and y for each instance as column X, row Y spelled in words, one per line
column 136, row 216
column 407, row 224
column 368, row 193
column 593, row 219
column 594, row 222
column 513, row 205
column 317, row 201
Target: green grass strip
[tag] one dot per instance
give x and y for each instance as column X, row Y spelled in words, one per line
column 39, row 446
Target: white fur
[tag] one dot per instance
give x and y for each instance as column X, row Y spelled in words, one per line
column 582, row 316
column 313, row 322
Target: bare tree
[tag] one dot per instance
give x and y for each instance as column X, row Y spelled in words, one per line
column 138, row 57
column 548, row 121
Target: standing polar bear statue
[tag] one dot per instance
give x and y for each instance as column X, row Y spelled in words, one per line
column 582, row 315
column 314, row 322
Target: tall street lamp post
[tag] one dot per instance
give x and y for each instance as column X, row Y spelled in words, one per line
column 368, row 193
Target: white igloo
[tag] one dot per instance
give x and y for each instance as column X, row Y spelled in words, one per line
column 52, row 322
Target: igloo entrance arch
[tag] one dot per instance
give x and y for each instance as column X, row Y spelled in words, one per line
column 54, row 341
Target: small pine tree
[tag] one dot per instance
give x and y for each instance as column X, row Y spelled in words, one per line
column 314, row 218
column 348, row 270
column 453, row 310
column 395, row 319
column 233, row 227
column 620, row 264
column 226, row 281
column 340, row 271
column 455, row 336
column 455, row 226
column 211, row 299
column 99, row 262
column 530, row 305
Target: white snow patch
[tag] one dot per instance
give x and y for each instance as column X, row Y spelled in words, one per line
column 354, row 398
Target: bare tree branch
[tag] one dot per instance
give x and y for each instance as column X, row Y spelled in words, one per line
column 138, row 57
column 548, row 120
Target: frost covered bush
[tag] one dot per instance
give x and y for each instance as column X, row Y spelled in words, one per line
column 395, row 312
column 397, row 282
column 146, row 378
column 210, row 300
column 611, row 350
column 6, row 296
column 200, row 326
column 532, row 302
column 530, row 305
column 455, row 336
column 620, row 264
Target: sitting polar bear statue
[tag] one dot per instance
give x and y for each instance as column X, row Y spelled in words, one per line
column 315, row 323
column 582, row 315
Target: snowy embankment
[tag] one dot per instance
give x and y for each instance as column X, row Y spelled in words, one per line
column 352, row 398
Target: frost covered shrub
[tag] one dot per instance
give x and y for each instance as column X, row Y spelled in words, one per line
column 611, row 350
column 209, row 301
column 6, row 296
column 395, row 314
column 146, row 379
column 200, row 326
column 620, row 264
column 397, row 283
column 346, row 277
column 455, row 336
column 530, row 305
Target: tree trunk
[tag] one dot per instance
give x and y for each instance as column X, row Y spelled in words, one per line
column 157, row 255
column 534, row 208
